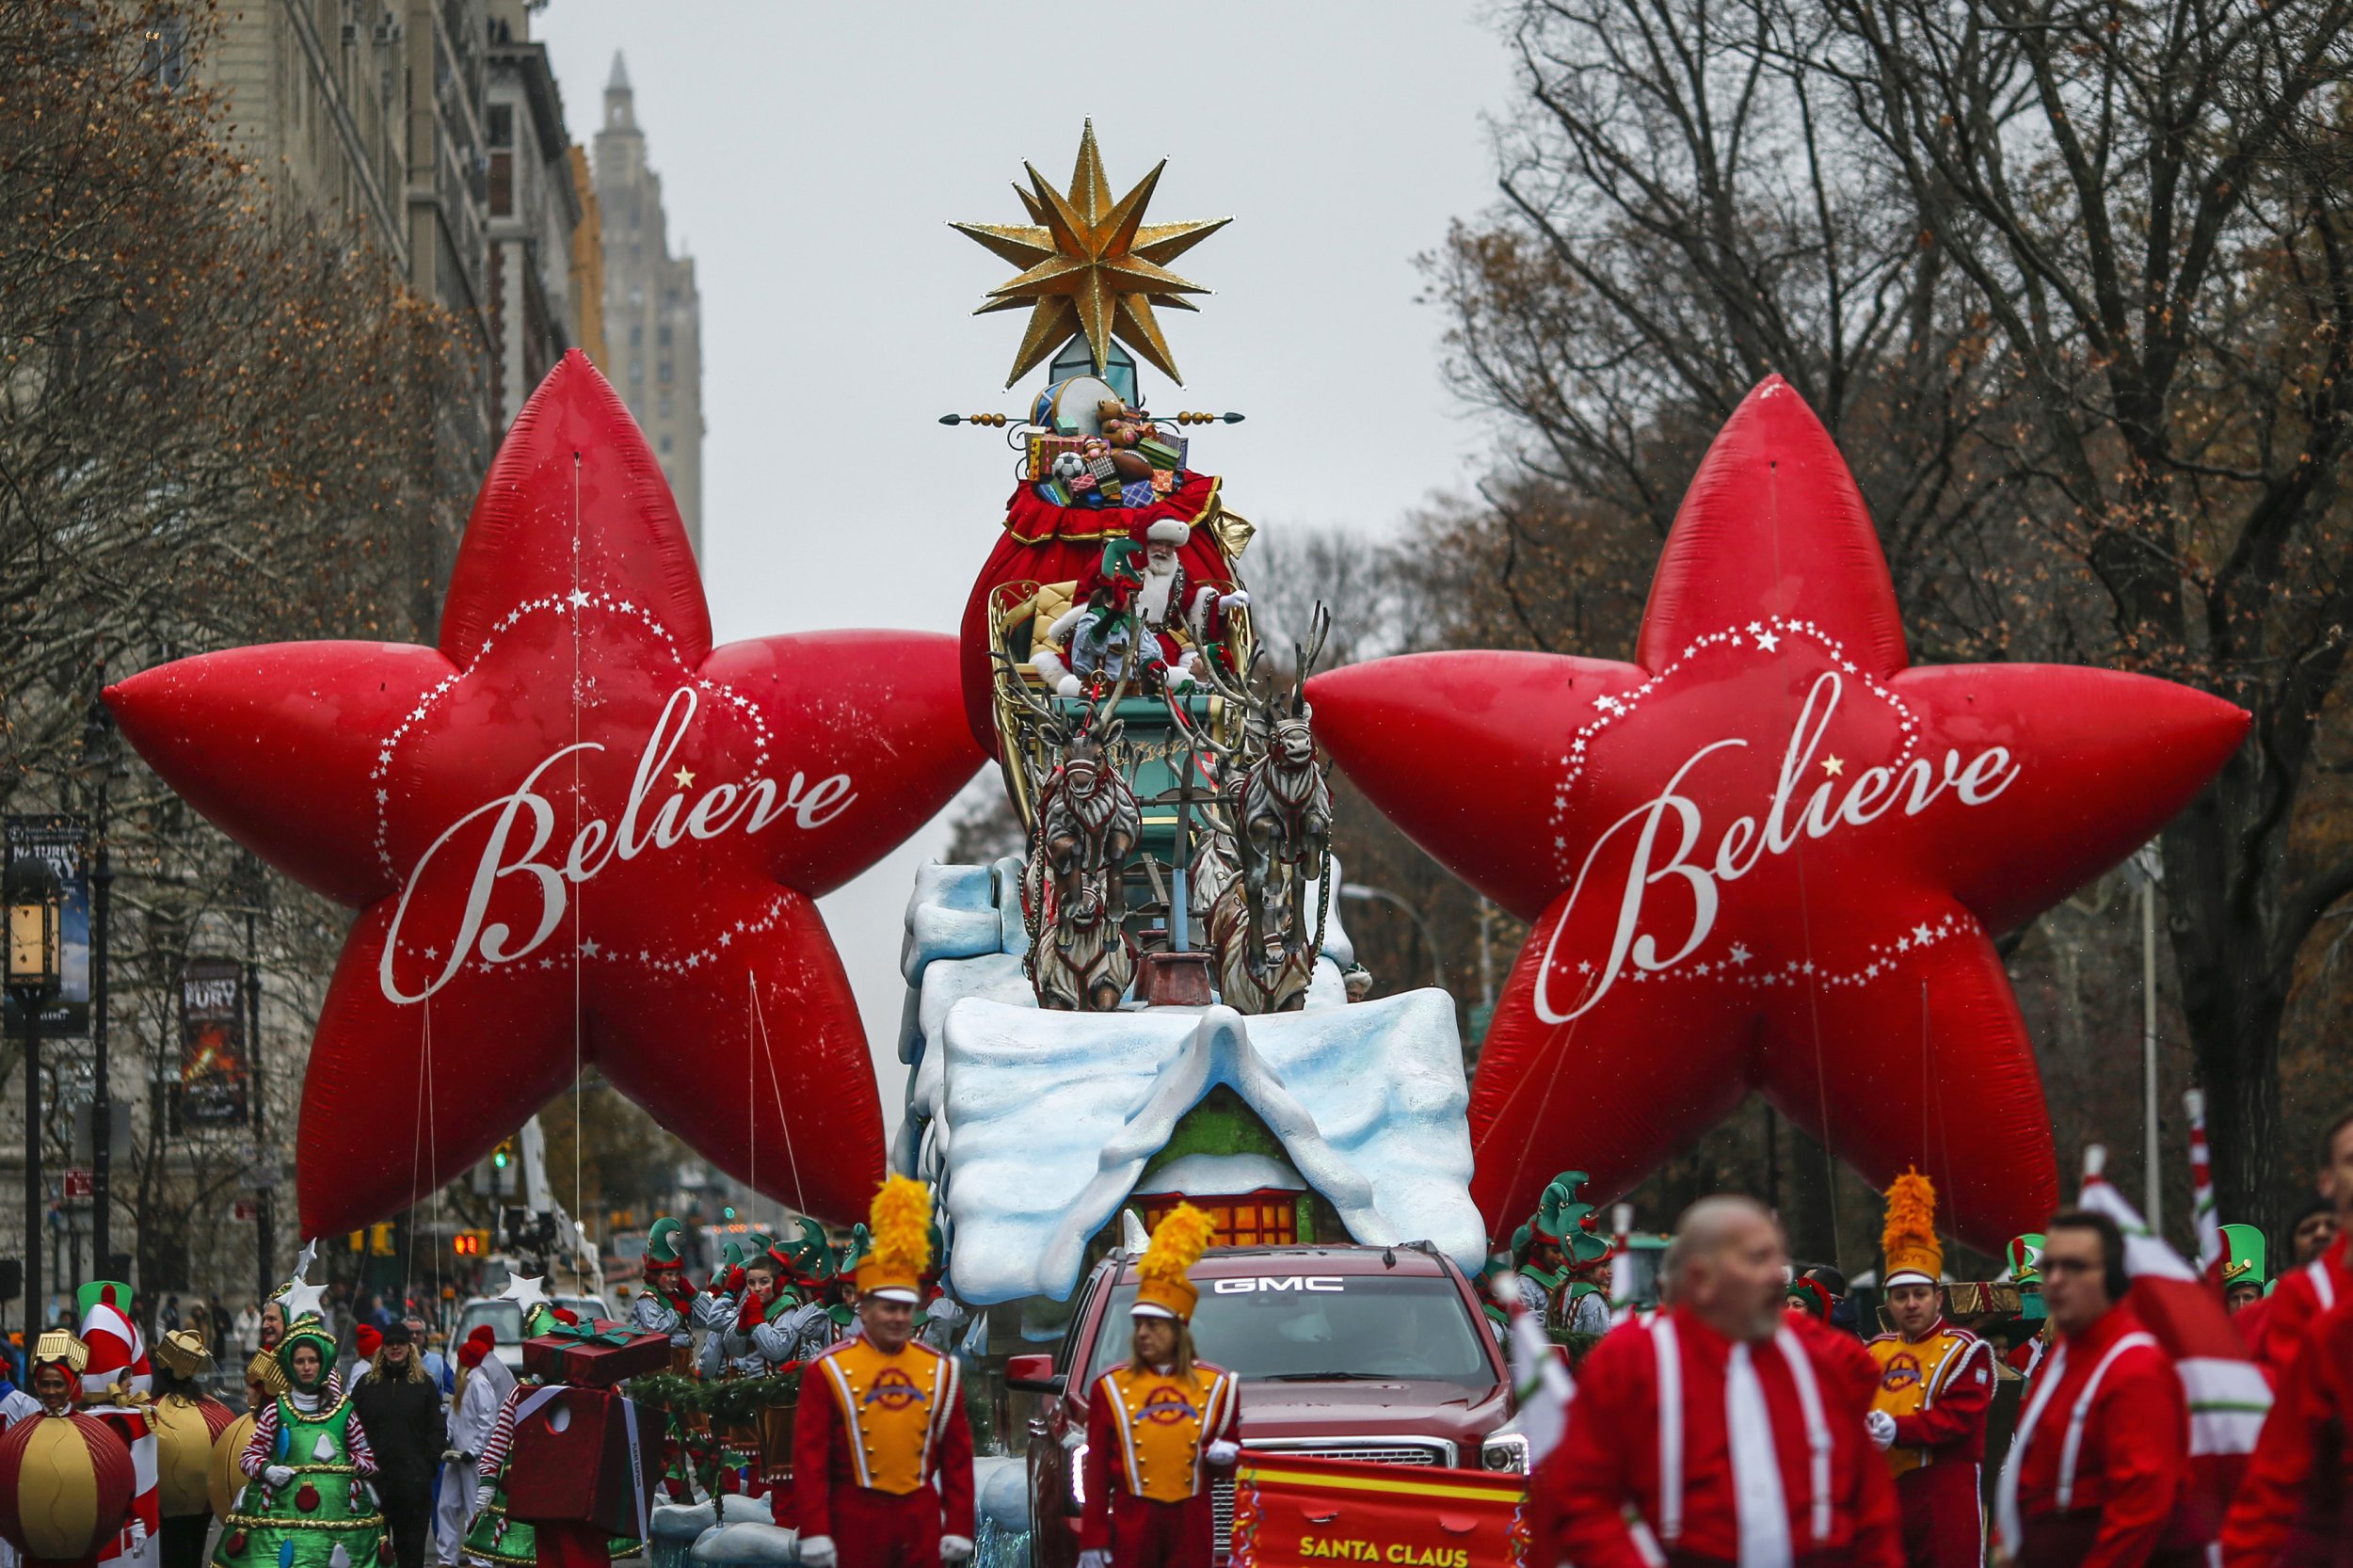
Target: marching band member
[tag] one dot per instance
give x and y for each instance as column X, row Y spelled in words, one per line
column 2101, row 1454
column 1936, row 1384
column 1168, row 1421
column 882, row 1459
column 1724, row 1431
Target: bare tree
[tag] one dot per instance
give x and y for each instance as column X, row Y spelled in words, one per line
column 2070, row 284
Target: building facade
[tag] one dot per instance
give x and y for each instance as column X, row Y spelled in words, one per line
column 652, row 312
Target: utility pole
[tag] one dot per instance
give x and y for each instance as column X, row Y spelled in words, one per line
column 264, row 1195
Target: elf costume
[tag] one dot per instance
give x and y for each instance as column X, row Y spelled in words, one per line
column 306, row 1502
column 493, row 1537
column 1562, row 1263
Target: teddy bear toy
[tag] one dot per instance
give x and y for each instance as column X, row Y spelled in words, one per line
column 1123, row 426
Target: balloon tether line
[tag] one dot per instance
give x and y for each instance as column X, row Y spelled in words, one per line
column 1805, row 915
column 578, row 1090
column 768, row 1052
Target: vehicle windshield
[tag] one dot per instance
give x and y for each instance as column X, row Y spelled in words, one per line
column 505, row 1317
column 1300, row 1328
column 585, row 1307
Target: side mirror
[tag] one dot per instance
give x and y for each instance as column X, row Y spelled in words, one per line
column 1032, row 1375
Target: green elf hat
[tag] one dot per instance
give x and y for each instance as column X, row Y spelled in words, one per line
column 853, row 1252
column 803, row 1256
column 2242, row 1257
column 2026, row 1272
column 1564, row 1222
column 662, row 1245
column 305, row 1331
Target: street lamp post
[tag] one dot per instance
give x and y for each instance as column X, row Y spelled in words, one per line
column 1364, row 894
column 34, row 898
column 102, row 752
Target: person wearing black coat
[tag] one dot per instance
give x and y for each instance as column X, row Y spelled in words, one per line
column 402, row 1414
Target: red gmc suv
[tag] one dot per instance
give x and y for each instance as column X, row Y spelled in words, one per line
column 1368, row 1353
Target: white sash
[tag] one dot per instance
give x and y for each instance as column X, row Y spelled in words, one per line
column 2046, row 1385
column 1817, row 1436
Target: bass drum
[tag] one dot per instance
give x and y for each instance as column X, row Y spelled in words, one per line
column 1068, row 407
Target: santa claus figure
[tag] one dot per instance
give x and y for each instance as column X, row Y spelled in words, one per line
column 1138, row 615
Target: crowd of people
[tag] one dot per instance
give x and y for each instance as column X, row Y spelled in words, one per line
column 1737, row 1424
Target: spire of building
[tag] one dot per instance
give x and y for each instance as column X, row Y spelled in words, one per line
column 620, row 112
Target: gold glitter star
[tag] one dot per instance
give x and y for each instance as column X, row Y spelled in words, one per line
column 685, row 779
column 1833, row 766
column 1091, row 265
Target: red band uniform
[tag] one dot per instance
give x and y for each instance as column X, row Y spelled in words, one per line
column 882, row 1458
column 2289, row 1512
column 1934, row 1392
column 1157, row 1435
column 2101, row 1454
column 2297, row 1302
column 1715, row 1443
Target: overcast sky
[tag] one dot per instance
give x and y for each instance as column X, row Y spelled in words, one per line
column 811, row 158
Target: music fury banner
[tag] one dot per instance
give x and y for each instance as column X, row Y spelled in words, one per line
column 1299, row 1512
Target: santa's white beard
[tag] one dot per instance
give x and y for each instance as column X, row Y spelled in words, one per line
column 1152, row 598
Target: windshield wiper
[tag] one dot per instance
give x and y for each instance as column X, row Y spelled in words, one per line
column 1330, row 1377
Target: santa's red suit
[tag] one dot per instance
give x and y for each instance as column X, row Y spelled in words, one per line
column 882, row 1459
column 2299, row 1300
column 118, row 1360
column 1148, row 1465
column 1935, row 1390
column 2100, row 1460
column 1714, row 1444
column 2290, row 1510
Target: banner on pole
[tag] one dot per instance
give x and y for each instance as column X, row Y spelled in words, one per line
column 1292, row 1511
column 64, row 842
column 212, row 1042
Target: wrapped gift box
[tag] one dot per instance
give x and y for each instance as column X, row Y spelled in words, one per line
column 1053, row 492
column 1104, row 470
column 572, row 1460
column 1136, row 492
column 1164, row 452
column 596, row 1355
column 1045, row 449
column 1163, row 482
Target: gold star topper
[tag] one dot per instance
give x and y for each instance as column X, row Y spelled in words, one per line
column 1091, row 265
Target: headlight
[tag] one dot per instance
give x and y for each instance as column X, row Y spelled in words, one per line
column 1504, row 1451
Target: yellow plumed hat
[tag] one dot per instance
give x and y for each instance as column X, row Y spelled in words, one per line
column 1177, row 1242
column 1914, row 1256
column 901, row 1220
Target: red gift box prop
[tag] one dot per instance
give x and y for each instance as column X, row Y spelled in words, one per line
column 574, row 1458
column 596, row 1363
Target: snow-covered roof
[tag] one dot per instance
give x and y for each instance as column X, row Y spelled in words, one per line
column 1048, row 1118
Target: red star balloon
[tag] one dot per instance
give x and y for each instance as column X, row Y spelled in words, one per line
column 576, row 834
column 1767, row 854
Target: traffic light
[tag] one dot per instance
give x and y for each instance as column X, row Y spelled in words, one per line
column 468, row 1244
column 728, row 1213
column 503, row 1154
column 380, row 1240
column 358, row 1241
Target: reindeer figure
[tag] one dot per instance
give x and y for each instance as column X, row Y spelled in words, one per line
column 1083, row 964
column 1277, row 801
column 1247, row 982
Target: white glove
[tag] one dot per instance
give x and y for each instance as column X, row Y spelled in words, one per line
column 1224, row 1452
column 1234, row 600
column 279, row 1477
column 1096, row 1559
column 817, row 1551
column 1881, row 1425
column 954, row 1550
column 483, row 1493
column 138, row 1532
